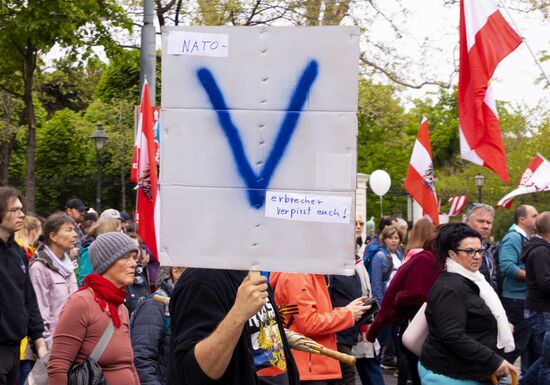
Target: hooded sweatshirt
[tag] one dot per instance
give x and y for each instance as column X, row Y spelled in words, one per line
column 536, row 254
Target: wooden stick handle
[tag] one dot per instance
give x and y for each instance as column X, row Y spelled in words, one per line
column 342, row 357
column 514, row 378
column 162, row 299
column 255, row 274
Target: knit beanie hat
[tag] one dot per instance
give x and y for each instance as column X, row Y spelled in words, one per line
column 109, row 248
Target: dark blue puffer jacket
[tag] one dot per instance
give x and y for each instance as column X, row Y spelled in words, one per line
column 150, row 330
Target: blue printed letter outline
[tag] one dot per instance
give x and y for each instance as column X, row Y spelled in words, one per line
column 258, row 183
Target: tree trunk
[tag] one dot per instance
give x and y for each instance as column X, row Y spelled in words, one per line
column 7, row 141
column 30, row 175
column 123, row 188
column 5, row 151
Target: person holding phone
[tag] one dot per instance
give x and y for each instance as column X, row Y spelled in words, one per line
column 316, row 319
column 344, row 290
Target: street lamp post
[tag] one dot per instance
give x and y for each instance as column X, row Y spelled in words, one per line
column 480, row 181
column 99, row 137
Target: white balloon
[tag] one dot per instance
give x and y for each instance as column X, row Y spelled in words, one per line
column 380, row 182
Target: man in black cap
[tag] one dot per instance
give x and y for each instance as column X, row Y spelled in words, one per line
column 125, row 220
column 76, row 209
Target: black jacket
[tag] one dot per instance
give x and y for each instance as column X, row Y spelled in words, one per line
column 343, row 289
column 201, row 300
column 19, row 313
column 463, row 331
column 536, row 254
column 489, row 272
column 138, row 290
column 151, row 337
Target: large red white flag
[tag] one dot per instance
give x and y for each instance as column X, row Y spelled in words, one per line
column 146, row 174
column 485, row 39
column 457, row 204
column 534, row 179
column 420, row 180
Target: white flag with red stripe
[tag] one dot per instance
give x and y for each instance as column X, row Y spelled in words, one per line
column 485, row 39
column 534, row 179
column 457, row 204
column 420, row 180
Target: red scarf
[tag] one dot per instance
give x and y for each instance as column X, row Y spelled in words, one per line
column 105, row 293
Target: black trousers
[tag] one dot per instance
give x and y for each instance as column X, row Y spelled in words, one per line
column 522, row 333
column 9, row 364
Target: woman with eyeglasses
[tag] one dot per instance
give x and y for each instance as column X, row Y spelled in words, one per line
column 468, row 328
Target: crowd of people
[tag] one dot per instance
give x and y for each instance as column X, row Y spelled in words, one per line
column 80, row 291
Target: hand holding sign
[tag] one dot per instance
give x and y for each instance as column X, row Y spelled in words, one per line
column 251, row 297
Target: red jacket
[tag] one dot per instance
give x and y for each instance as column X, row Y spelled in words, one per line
column 316, row 319
column 409, row 288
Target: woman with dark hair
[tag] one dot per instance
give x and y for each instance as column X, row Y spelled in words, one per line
column 94, row 309
column 468, row 328
column 52, row 270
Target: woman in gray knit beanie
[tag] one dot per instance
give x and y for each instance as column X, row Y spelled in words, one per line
column 98, row 304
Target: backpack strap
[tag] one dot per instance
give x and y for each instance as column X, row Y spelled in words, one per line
column 386, row 275
column 103, row 341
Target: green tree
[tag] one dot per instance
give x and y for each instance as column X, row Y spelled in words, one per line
column 384, row 141
column 70, row 85
column 65, row 160
column 120, row 80
column 29, row 29
column 117, row 117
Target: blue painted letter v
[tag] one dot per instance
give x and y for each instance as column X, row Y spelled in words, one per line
column 258, row 183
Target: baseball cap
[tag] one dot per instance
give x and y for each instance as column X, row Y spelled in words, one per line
column 111, row 213
column 125, row 216
column 76, row 203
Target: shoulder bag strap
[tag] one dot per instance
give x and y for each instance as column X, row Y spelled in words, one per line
column 103, row 341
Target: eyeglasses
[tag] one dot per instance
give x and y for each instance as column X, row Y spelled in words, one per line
column 16, row 210
column 471, row 252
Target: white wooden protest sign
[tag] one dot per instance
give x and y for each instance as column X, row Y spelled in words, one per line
column 258, row 148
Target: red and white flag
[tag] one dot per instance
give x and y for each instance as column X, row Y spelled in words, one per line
column 485, row 39
column 457, row 204
column 146, row 174
column 137, row 140
column 534, row 179
column 420, row 181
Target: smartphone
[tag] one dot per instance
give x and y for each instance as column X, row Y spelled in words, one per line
column 369, row 301
column 367, row 316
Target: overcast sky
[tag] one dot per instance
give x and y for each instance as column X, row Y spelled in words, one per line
column 436, row 24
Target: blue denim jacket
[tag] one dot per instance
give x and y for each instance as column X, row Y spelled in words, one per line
column 381, row 263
